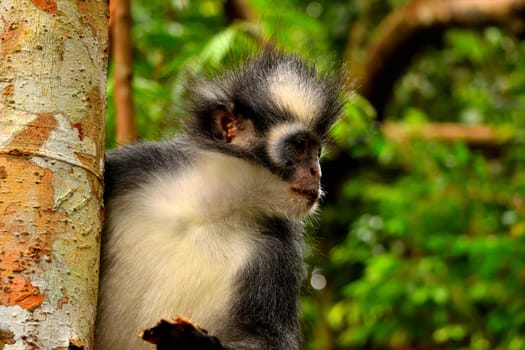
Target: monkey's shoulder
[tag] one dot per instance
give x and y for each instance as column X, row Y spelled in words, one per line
column 128, row 167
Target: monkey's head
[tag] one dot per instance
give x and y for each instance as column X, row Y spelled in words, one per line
column 275, row 111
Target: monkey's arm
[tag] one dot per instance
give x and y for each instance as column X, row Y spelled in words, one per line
column 180, row 334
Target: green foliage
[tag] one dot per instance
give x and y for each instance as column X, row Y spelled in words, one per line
column 434, row 255
column 423, row 245
column 482, row 70
column 437, row 254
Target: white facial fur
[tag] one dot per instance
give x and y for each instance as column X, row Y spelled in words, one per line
column 195, row 230
column 293, row 95
column 277, row 134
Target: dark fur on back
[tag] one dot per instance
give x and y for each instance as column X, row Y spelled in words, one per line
column 130, row 166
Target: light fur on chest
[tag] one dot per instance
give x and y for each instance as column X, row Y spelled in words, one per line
column 179, row 242
column 189, row 273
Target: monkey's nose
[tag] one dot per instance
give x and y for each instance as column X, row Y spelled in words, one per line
column 315, row 169
column 316, row 172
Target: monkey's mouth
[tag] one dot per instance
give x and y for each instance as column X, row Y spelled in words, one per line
column 312, row 195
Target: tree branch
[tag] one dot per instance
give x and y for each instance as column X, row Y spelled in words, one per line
column 239, row 10
column 409, row 29
column 447, row 132
column 120, row 14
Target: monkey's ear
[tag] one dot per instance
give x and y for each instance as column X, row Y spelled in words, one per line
column 225, row 124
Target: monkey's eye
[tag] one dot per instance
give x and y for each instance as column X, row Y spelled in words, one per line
column 299, row 144
column 299, row 147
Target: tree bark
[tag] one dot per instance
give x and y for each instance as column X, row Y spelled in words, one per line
column 408, row 29
column 53, row 57
column 120, row 13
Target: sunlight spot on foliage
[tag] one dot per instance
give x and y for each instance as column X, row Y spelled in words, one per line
column 375, row 222
column 364, row 234
column 509, row 217
column 318, row 280
column 314, row 9
column 471, row 116
column 210, row 8
column 449, row 332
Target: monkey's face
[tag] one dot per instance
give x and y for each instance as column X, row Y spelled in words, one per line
column 280, row 165
column 295, row 152
column 273, row 111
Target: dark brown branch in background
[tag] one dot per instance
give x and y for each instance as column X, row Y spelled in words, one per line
column 407, row 30
column 476, row 135
column 403, row 33
column 239, row 10
column 120, row 23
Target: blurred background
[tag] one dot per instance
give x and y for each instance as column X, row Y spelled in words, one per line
column 421, row 240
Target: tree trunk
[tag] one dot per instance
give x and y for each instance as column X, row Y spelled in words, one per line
column 53, row 56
